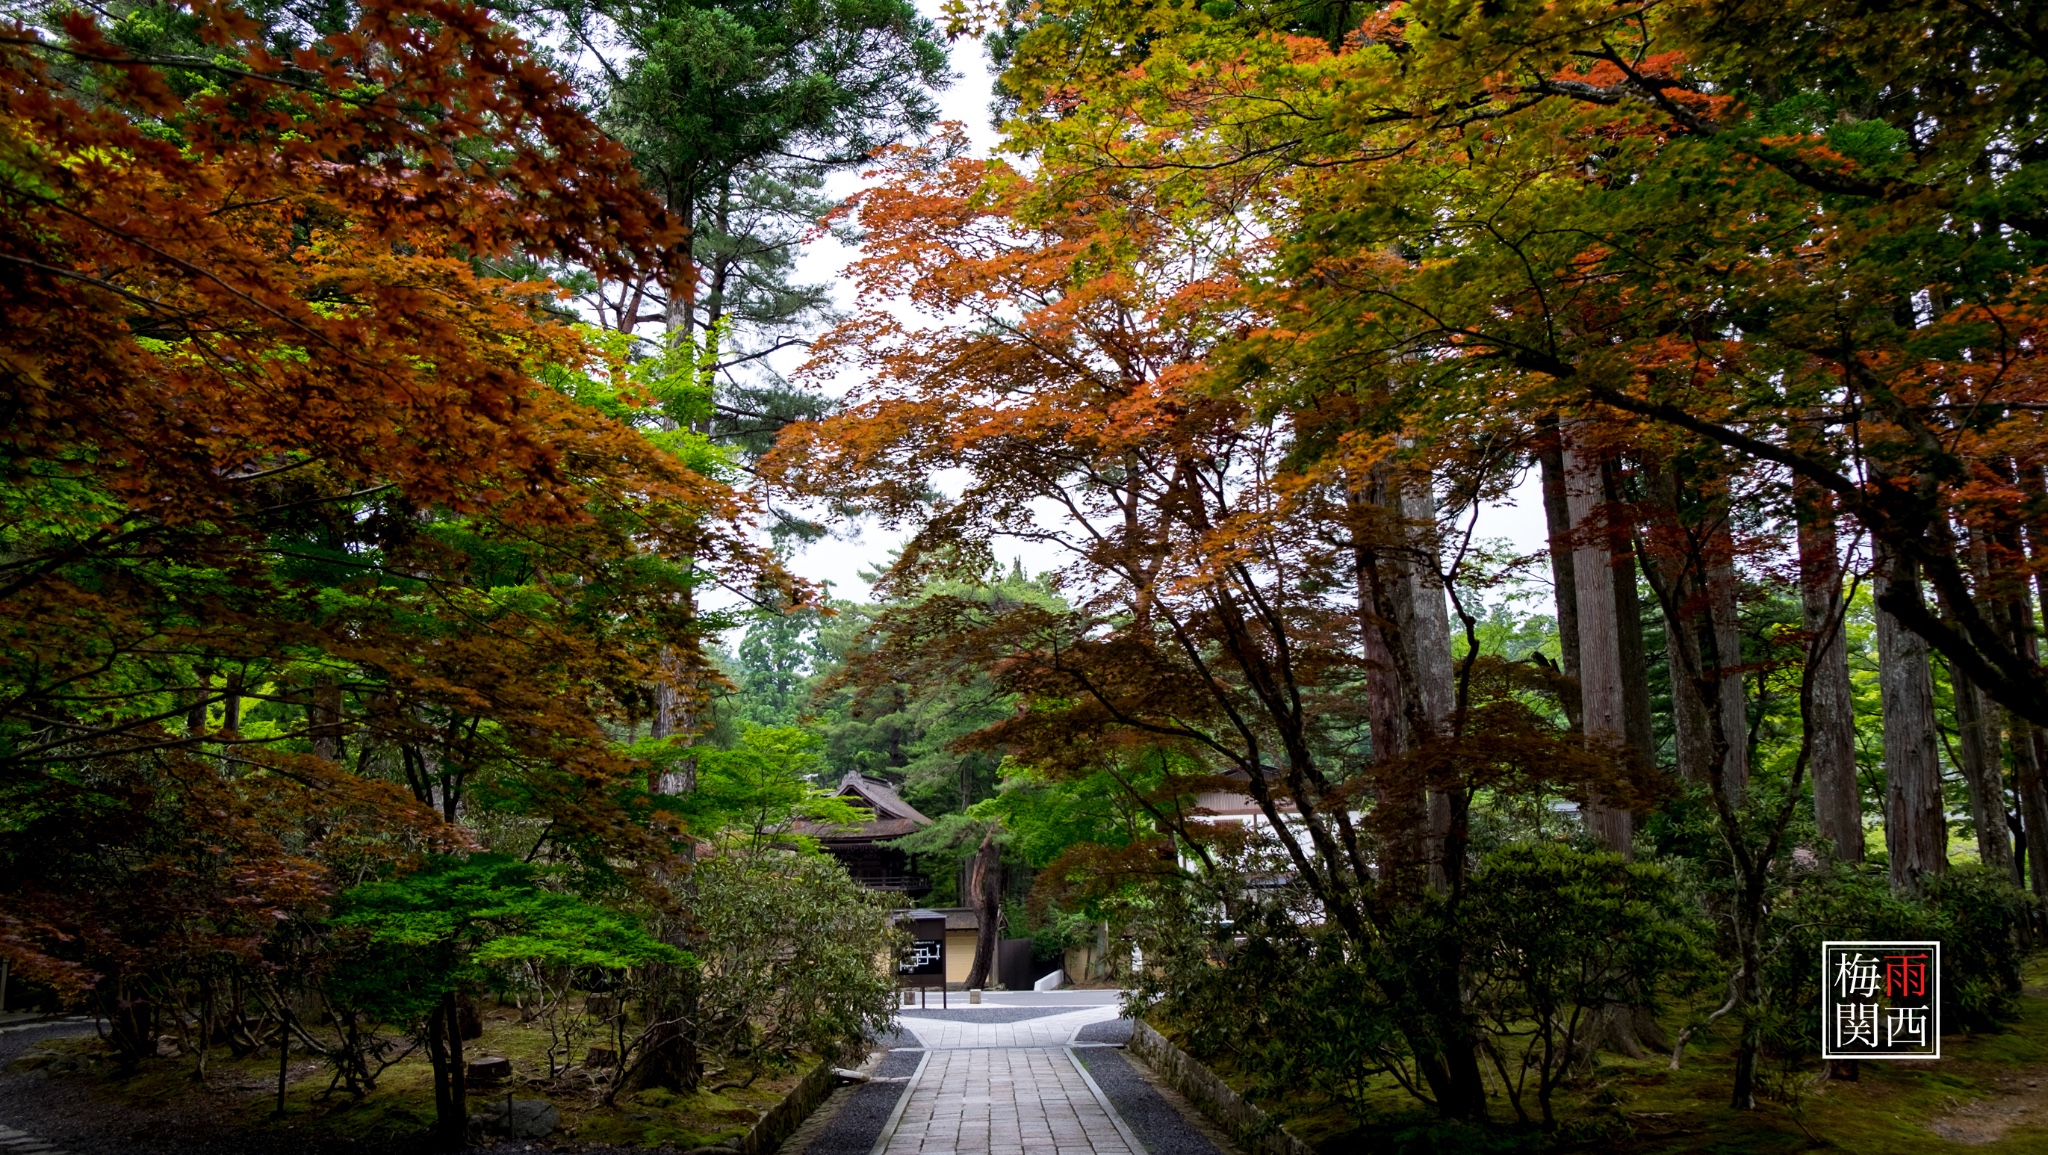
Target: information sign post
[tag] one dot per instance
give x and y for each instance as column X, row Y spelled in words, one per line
column 923, row 964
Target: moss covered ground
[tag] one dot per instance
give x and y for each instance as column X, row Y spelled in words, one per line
column 1988, row 1094
column 240, row 1094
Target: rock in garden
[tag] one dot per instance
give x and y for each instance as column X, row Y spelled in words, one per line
column 601, row 1057
column 53, row 1063
column 519, row 1118
column 489, row 1069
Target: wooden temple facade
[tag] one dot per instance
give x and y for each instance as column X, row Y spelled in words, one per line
column 859, row 848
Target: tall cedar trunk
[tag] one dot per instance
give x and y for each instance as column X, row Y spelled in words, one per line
column 1691, row 733
column 195, row 716
column 1564, row 582
column 1426, row 633
column 1977, row 732
column 984, row 880
column 2025, row 744
column 2031, row 773
column 2028, row 745
column 1725, row 619
column 671, row 718
column 231, row 704
column 1601, row 669
column 1703, row 638
column 1430, row 634
column 1384, row 718
column 1710, row 617
column 1628, row 618
column 1916, row 834
column 1831, row 712
column 1384, row 606
column 664, row 722
column 671, row 708
column 1446, row 1055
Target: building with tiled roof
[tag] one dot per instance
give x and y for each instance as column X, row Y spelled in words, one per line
column 859, row 848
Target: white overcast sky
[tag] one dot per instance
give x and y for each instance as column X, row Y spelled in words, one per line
column 841, row 557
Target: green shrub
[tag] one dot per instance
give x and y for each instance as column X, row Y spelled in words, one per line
column 1544, row 937
column 1558, row 936
column 791, row 957
column 1978, row 919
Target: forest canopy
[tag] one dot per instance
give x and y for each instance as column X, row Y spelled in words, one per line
column 414, row 416
column 1269, row 303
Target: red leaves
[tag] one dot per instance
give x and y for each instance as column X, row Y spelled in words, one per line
column 268, row 414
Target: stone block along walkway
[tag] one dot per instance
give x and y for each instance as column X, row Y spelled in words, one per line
column 1002, row 1080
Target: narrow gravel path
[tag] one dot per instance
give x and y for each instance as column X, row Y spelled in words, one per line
column 851, row 1120
column 19, row 1133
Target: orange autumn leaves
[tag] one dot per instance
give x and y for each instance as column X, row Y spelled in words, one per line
column 1241, row 264
column 291, row 457
column 290, row 251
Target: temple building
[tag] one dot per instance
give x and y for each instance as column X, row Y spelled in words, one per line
column 859, row 848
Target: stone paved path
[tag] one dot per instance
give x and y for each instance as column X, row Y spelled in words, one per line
column 1005, row 1088
column 15, row 1142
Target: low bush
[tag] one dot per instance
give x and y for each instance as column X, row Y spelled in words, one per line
column 1980, row 921
column 1545, row 938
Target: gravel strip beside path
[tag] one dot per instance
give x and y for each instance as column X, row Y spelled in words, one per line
column 1116, row 1032
column 851, row 1119
column 1163, row 1121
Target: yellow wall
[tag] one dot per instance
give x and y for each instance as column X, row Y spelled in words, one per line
column 960, row 956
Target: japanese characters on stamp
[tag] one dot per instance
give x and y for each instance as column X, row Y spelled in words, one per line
column 1880, row 1000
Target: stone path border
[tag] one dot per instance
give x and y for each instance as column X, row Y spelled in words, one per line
column 1254, row 1130
column 780, row 1121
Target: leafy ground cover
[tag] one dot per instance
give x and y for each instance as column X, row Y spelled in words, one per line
column 240, row 1094
column 1988, row 1093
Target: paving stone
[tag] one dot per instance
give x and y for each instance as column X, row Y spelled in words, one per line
column 1005, row 1089
column 1003, row 1084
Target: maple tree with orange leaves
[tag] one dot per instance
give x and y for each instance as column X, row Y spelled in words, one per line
column 1276, row 297
column 1232, row 611
column 318, row 535
column 333, row 550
